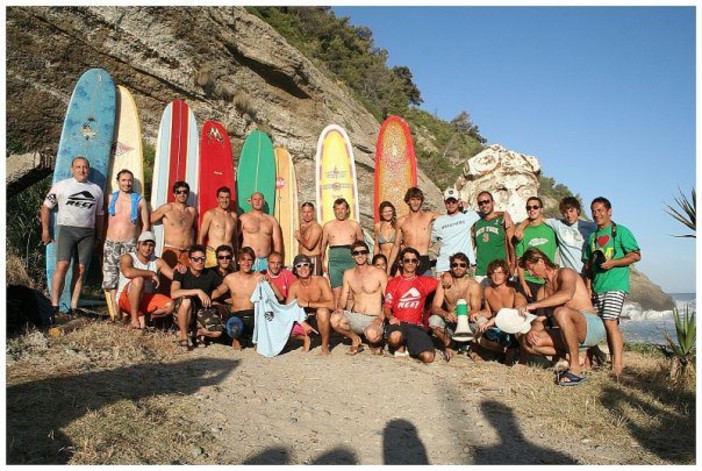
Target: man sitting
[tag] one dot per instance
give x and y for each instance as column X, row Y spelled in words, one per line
column 578, row 322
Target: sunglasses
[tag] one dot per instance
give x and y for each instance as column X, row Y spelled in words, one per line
column 302, row 265
column 482, row 202
column 459, row 264
column 224, row 257
column 532, row 207
column 181, row 192
column 356, row 253
column 410, row 260
column 451, row 201
column 197, row 259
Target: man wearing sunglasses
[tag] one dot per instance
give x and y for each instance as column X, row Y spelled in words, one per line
column 536, row 235
column 192, row 290
column 260, row 231
column 366, row 284
column 403, row 309
column 314, row 295
column 443, row 321
column 224, row 256
column 218, row 226
column 453, row 230
column 491, row 235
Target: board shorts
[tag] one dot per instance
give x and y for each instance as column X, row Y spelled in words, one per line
column 340, row 260
column 111, row 253
column 440, row 322
column 595, row 330
column 260, row 264
column 70, row 238
column 609, row 304
column 414, row 337
column 210, row 257
column 316, row 265
column 172, row 256
column 359, row 321
column 503, row 339
column 240, row 324
column 150, row 302
column 424, row 267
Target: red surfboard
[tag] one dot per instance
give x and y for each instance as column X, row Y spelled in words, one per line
column 216, row 167
column 395, row 166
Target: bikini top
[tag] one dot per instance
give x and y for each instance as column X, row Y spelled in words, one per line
column 383, row 240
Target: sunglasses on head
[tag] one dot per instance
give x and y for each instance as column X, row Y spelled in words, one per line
column 197, row 259
column 302, row 265
column 459, row 264
column 224, row 257
column 533, row 207
column 410, row 260
column 181, row 192
column 359, row 252
column 482, row 202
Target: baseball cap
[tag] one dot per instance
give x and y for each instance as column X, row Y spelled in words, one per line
column 147, row 235
column 508, row 320
column 450, row 193
column 301, row 258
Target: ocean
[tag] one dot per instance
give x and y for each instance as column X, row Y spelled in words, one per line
column 650, row 326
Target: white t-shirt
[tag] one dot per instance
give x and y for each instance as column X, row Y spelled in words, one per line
column 571, row 240
column 77, row 202
column 454, row 233
column 136, row 263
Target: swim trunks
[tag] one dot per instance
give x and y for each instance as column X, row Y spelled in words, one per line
column 210, row 257
column 69, row 238
column 340, row 260
column 260, row 264
column 359, row 321
column 424, row 267
column 245, row 323
column 149, row 303
column 414, row 336
column 609, row 304
column 595, row 330
column 111, row 253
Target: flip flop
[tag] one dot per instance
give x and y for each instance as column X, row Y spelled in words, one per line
column 355, row 349
column 572, row 379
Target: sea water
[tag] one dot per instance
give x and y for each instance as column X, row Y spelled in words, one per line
column 646, row 326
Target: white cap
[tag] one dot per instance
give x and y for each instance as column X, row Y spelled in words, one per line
column 450, row 193
column 147, row 235
column 508, row 320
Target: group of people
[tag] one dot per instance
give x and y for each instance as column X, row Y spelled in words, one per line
column 567, row 278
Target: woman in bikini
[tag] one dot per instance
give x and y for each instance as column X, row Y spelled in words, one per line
column 384, row 233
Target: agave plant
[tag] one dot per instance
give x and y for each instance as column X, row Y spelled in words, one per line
column 682, row 353
column 686, row 212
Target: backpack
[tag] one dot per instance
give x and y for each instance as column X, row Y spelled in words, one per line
column 209, row 318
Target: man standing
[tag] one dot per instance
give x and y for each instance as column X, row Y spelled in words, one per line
column 443, row 321
column 192, row 290
column 453, row 229
column 367, row 285
column 414, row 230
column 338, row 235
column 609, row 253
column 218, row 226
column 536, row 235
column 572, row 233
column 491, row 234
column 404, row 304
column 79, row 218
column 260, row 232
column 309, row 237
column 179, row 225
column 314, row 295
column 578, row 324
column 128, row 215
column 138, row 281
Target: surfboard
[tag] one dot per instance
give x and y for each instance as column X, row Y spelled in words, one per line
column 127, row 153
column 177, row 159
column 216, row 167
column 287, row 211
column 256, row 172
column 88, row 130
column 335, row 173
column 395, row 166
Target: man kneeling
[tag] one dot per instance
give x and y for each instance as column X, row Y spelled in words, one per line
column 579, row 325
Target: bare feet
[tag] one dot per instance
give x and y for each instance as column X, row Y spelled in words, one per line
column 306, row 342
column 325, row 351
column 449, row 353
column 236, row 345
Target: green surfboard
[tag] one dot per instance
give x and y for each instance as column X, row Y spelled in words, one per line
column 256, row 172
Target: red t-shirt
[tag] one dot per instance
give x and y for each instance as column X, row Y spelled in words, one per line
column 283, row 281
column 405, row 297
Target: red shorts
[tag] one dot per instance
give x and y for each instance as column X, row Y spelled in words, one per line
column 150, row 302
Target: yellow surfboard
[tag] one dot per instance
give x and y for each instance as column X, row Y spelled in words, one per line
column 127, row 153
column 336, row 174
column 287, row 212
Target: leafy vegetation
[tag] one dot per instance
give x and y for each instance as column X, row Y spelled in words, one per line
column 682, row 351
column 686, row 212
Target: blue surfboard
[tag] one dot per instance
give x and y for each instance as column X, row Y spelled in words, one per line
column 88, row 131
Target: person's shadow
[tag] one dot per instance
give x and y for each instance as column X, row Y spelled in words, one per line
column 37, row 411
column 401, row 444
column 514, row 447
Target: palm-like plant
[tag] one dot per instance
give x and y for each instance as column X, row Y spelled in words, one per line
column 686, row 212
column 682, row 353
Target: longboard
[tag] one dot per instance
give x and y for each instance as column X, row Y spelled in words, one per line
column 88, row 130
column 395, row 166
column 216, row 167
column 127, row 153
column 287, row 211
column 256, row 172
column 177, row 159
column 335, row 174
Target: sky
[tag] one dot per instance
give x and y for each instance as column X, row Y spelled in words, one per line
column 604, row 97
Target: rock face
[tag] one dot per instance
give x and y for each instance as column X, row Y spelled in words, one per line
column 226, row 63
column 511, row 177
column 647, row 294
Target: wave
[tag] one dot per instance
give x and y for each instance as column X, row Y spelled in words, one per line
column 634, row 312
column 648, row 326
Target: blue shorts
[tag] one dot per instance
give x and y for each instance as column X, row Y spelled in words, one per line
column 595, row 330
column 260, row 264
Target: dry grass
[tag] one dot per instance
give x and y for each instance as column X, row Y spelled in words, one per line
column 15, row 272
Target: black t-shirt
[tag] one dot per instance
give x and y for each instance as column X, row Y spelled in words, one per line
column 208, row 281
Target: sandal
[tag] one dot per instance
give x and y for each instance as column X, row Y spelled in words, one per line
column 569, row 379
column 355, row 349
column 183, row 343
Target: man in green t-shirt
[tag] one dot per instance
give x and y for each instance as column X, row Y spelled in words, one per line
column 536, row 235
column 491, row 235
column 607, row 256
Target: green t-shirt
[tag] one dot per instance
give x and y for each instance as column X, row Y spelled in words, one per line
column 489, row 242
column 617, row 278
column 539, row 237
